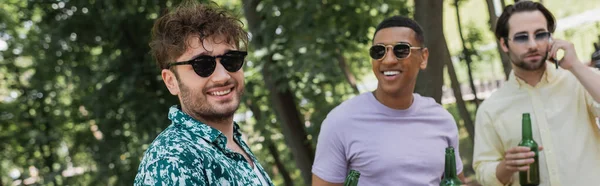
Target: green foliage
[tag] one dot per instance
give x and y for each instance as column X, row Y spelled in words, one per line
column 84, row 80
column 303, row 42
column 83, row 98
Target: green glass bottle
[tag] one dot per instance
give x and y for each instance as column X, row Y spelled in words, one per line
column 450, row 178
column 530, row 177
column 352, row 178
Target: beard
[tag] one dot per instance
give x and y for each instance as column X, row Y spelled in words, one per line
column 528, row 66
column 197, row 105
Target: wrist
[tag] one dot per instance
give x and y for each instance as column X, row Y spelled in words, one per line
column 577, row 66
column 503, row 174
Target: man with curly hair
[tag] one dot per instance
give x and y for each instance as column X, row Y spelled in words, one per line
column 197, row 46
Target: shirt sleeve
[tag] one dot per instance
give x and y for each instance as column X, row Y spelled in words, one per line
column 488, row 151
column 169, row 171
column 593, row 105
column 330, row 159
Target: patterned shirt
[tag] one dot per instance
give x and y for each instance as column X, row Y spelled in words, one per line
column 189, row 152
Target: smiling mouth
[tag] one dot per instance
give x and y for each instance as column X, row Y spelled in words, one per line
column 390, row 73
column 220, row 93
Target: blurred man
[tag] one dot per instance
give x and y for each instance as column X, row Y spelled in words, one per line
column 392, row 136
column 197, row 48
column 562, row 102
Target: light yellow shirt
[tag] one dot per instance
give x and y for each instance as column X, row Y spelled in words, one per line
column 563, row 122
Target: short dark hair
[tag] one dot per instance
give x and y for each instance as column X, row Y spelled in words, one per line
column 522, row 6
column 192, row 19
column 400, row 21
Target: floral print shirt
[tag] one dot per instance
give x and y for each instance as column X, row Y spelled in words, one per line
column 189, row 152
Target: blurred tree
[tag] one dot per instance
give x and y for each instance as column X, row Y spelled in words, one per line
column 83, row 78
column 297, row 58
column 466, row 52
column 85, row 98
column 493, row 19
column 271, row 146
column 429, row 14
column 282, row 98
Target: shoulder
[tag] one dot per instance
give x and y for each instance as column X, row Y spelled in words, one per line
column 497, row 103
column 171, row 144
column 349, row 107
column 428, row 107
column 424, row 102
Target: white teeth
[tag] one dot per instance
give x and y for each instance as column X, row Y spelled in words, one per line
column 390, row 73
column 220, row 93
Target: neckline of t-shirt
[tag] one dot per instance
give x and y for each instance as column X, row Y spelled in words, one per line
column 391, row 111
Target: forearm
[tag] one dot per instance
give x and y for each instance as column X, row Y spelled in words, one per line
column 589, row 79
column 485, row 173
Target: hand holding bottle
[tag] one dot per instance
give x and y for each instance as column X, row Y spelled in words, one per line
column 519, row 158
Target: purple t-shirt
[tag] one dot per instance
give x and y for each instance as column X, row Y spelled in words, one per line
column 387, row 146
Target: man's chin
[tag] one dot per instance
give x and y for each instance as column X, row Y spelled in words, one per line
column 536, row 66
column 226, row 109
column 217, row 114
column 389, row 90
column 531, row 65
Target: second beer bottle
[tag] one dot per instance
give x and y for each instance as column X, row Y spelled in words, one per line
column 352, row 178
column 530, row 177
column 450, row 178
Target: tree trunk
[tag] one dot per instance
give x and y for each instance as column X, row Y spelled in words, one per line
column 344, row 67
column 271, row 146
column 288, row 115
column 282, row 99
column 429, row 14
column 493, row 19
column 466, row 53
column 287, row 180
column 1, row 182
column 461, row 105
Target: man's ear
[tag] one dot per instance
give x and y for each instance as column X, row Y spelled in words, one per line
column 425, row 57
column 504, row 44
column 171, row 81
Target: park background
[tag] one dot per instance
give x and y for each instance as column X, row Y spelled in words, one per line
column 81, row 98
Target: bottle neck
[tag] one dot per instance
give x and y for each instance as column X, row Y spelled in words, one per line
column 526, row 129
column 450, row 167
column 352, row 178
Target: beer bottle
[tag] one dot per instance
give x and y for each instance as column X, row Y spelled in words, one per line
column 530, row 177
column 352, row 178
column 450, row 178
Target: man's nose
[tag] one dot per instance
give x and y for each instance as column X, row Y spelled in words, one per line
column 389, row 57
column 220, row 75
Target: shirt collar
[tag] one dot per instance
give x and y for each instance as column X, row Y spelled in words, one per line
column 549, row 76
column 196, row 127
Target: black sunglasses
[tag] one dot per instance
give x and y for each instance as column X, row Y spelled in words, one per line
column 401, row 50
column 524, row 38
column 205, row 65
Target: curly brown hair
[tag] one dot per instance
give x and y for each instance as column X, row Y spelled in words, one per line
column 171, row 32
